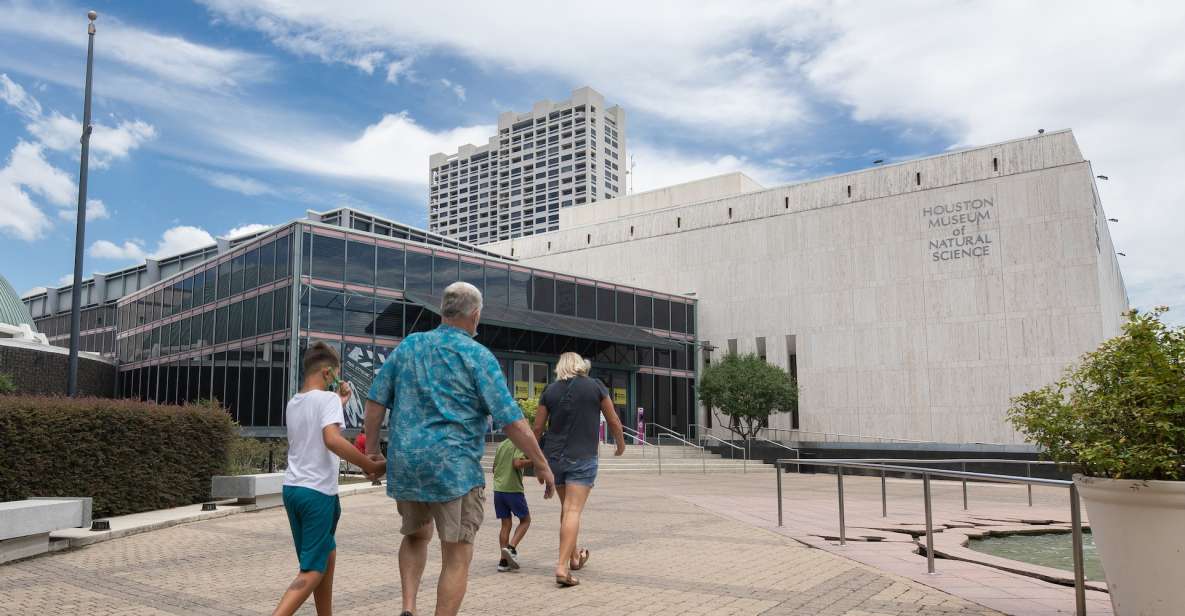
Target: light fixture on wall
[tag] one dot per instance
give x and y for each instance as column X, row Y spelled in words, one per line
column 1113, row 219
column 1102, row 177
column 1121, row 254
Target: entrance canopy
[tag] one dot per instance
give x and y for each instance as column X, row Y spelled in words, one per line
column 521, row 318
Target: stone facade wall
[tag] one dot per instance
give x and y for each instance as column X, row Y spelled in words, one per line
column 43, row 371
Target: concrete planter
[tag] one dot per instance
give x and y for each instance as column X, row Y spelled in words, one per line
column 1139, row 528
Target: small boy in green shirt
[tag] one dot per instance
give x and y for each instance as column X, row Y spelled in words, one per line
column 509, row 463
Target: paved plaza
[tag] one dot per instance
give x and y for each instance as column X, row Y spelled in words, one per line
column 660, row 545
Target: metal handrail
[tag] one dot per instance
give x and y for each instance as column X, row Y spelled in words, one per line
column 797, row 453
column 841, row 464
column 638, row 438
column 703, row 452
column 744, row 458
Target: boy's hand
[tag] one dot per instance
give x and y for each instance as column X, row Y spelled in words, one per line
column 344, row 391
column 377, row 466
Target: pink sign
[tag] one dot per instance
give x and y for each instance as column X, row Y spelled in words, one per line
column 641, row 423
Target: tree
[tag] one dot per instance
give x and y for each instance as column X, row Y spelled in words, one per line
column 747, row 390
column 1120, row 412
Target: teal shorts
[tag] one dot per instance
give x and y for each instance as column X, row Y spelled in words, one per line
column 313, row 517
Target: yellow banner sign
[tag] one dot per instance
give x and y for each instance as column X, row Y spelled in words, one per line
column 522, row 390
column 619, row 396
column 539, row 387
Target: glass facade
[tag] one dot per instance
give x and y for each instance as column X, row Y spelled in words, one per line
column 233, row 328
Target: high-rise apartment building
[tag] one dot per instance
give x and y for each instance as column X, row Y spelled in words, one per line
column 556, row 156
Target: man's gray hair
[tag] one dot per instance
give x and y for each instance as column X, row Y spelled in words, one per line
column 460, row 300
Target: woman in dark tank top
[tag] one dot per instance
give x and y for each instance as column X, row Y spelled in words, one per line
column 570, row 409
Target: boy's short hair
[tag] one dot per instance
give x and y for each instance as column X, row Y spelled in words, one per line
column 320, row 355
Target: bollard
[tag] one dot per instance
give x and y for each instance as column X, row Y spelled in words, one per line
column 660, row 457
column 703, row 459
column 843, row 540
column 929, row 524
column 778, row 470
column 964, row 487
column 1029, row 474
column 1079, row 575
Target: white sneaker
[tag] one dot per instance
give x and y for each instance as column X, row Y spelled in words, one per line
column 503, row 568
column 511, row 557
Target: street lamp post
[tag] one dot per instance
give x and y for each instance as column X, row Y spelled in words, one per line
column 80, row 224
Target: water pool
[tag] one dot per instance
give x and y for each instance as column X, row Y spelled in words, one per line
column 1054, row 550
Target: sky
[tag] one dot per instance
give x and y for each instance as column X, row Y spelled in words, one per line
column 217, row 117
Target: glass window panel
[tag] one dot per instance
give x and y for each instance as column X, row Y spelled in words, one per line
column 259, row 406
column 359, row 315
column 360, row 263
column 444, row 272
column 419, row 319
column 211, row 285
column 306, row 247
column 606, row 310
column 419, row 273
column 474, row 274
column 208, row 328
column 625, row 307
column 199, row 289
column 236, row 274
column 678, row 317
column 283, row 257
column 520, row 289
column 586, row 301
column 280, row 308
column 218, row 391
column 565, row 297
column 691, row 318
column 246, row 405
column 221, row 324
column 251, row 270
column 329, row 258
column 325, row 311
column 231, row 400
column 662, row 314
column 389, row 321
column 249, row 317
column 263, row 319
column 389, row 272
column 187, row 293
column 279, row 386
column 267, row 263
column 497, row 289
column 645, row 311
column 185, row 333
column 543, row 298
column 235, row 331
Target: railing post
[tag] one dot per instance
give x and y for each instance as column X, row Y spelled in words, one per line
column 884, row 497
column 929, row 524
column 1029, row 474
column 1079, row 574
column 659, row 457
column 843, row 540
column 964, row 487
column 778, row 470
column 703, row 459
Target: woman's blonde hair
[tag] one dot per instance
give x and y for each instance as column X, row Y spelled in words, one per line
column 571, row 365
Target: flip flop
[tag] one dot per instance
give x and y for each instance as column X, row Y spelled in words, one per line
column 566, row 581
column 580, row 561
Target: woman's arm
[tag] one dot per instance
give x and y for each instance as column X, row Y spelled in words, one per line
column 540, row 421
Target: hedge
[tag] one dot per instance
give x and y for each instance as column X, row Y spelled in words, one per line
column 129, row 456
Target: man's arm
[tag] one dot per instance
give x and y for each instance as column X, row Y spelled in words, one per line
column 520, row 434
column 611, row 418
column 371, row 425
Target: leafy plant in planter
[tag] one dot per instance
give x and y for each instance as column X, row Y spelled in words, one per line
column 1120, row 412
column 1119, row 417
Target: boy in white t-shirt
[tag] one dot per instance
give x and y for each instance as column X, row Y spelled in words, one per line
column 315, row 420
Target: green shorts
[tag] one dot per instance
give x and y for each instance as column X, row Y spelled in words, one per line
column 313, row 517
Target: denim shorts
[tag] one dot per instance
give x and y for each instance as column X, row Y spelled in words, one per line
column 568, row 471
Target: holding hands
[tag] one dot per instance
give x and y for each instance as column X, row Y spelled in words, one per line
column 377, row 466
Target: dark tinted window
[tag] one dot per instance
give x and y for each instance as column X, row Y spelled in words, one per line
column 389, row 318
column 565, row 298
column 662, row 314
column 445, row 272
column 325, row 311
column 497, row 290
column 187, row 293
column 236, row 274
column 199, row 289
column 390, row 268
column 606, row 310
column 586, row 301
column 283, row 257
column 678, row 317
column 543, row 298
column 280, row 307
column 329, row 258
column 249, row 317
column 645, row 311
column 691, row 318
column 306, row 253
column 251, row 270
column 236, row 322
column 520, row 289
column 211, row 285
column 360, row 264
column 267, row 263
column 419, row 272
column 474, row 274
column 359, row 315
column 224, row 279
column 625, row 307
column 263, row 320
column 221, row 324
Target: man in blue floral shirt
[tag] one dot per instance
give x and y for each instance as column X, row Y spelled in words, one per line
column 440, row 387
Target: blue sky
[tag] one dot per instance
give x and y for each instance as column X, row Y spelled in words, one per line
column 216, row 115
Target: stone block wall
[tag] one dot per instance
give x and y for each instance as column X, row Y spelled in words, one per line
column 42, row 370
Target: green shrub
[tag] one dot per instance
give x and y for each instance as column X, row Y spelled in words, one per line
column 529, row 406
column 1119, row 413
column 7, row 385
column 129, row 456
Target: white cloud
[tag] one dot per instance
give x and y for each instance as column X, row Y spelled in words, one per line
column 167, row 57
column 247, row 229
column 235, row 183
column 400, row 68
column 457, row 88
column 65, row 279
column 28, row 172
column 13, row 94
column 175, row 240
column 61, row 133
column 701, row 67
column 95, row 210
column 393, row 152
column 658, row 167
column 34, row 291
column 986, row 72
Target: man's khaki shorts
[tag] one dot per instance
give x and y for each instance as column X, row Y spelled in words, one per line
column 457, row 520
